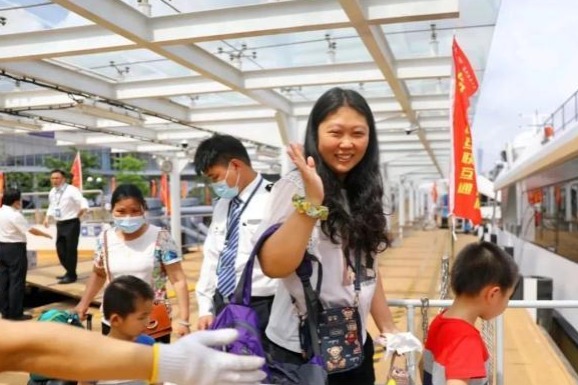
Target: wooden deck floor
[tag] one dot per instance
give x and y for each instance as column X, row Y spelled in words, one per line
column 409, row 270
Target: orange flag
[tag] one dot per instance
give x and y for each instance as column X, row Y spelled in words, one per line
column 154, row 192
column 165, row 194
column 464, row 198
column 1, row 186
column 76, row 172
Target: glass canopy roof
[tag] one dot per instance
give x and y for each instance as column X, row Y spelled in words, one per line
column 158, row 72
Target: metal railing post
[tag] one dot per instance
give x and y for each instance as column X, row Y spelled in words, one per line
column 500, row 350
column 411, row 328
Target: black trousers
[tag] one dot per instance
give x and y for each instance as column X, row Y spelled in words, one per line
column 13, row 268
column 67, row 233
column 362, row 375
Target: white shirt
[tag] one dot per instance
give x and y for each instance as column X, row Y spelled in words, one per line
column 335, row 292
column 137, row 257
column 214, row 243
column 68, row 200
column 13, row 225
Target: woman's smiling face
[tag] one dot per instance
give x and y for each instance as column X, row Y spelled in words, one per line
column 343, row 139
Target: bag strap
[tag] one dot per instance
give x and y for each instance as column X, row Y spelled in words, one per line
column 243, row 291
column 105, row 252
column 312, row 301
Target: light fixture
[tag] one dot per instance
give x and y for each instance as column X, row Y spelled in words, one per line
column 26, row 124
column 237, row 55
column 145, row 7
column 434, row 43
column 331, row 48
column 120, row 71
column 193, row 100
column 106, row 111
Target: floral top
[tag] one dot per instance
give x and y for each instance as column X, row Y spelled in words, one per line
column 144, row 257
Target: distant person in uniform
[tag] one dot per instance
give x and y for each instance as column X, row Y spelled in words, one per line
column 13, row 260
column 66, row 207
column 243, row 195
column 483, row 278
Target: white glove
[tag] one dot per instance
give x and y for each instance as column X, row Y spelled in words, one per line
column 192, row 361
column 399, row 343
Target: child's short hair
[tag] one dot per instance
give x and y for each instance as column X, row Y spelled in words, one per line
column 122, row 293
column 481, row 264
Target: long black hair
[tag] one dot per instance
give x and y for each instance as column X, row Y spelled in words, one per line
column 362, row 228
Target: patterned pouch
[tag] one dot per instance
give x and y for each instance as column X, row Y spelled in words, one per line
column 341, row 339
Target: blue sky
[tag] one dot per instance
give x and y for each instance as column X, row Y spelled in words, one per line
column 532, row 66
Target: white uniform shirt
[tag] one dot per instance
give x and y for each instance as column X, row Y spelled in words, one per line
column 66, row 200
column 215, row 242
column 335, row 291
column 13, row 225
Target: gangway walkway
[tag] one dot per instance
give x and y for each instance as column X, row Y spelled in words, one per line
column 411, row 269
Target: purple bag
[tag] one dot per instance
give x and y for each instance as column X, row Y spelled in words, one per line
column 238, row 313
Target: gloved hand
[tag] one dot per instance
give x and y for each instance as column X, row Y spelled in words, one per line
column 400, row 343
column 192, row 361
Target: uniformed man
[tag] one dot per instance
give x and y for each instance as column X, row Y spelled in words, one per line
column 66, row 206
column 13, row 260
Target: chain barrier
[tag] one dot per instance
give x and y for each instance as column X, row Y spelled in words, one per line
column 489, row 337
column 424, row 317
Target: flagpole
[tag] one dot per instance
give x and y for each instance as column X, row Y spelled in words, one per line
column 451, row 187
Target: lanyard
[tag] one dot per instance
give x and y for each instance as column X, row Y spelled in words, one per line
column 242, row 209
column 60, row 193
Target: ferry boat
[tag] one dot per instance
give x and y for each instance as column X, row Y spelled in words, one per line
column 538, row 184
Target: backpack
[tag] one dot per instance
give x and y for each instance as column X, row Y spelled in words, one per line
column 60, row 316
column 239, row 315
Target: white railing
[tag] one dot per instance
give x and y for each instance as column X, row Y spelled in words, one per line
column 411, row 304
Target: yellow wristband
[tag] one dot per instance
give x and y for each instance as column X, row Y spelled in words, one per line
column 156, row 358
column 311, row 210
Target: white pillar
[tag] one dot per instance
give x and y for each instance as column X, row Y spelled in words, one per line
column 411, row 198
column 179, row 165
column 419, row 201
column 386, row 201
column 401, row 205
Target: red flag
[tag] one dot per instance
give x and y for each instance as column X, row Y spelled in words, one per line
column 165, row 194
column 76, row 172
column 434, row 193
column 1, row 186
column 465, row 201
column 153, row 184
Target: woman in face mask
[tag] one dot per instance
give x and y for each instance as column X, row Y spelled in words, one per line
column 134, row 247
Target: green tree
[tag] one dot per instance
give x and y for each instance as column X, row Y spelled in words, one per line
column 19, row 180
column 129, row 170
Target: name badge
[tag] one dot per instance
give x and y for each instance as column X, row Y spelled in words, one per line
column 57, row 213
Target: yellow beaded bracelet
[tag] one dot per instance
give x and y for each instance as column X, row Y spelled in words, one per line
column 311, row 210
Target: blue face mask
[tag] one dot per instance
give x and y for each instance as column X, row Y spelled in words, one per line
column 223, row 190
column 129, row 225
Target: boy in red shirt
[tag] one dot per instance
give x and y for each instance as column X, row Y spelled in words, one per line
column 483, row 278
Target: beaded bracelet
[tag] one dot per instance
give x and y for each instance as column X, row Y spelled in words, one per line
column 310, row 209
